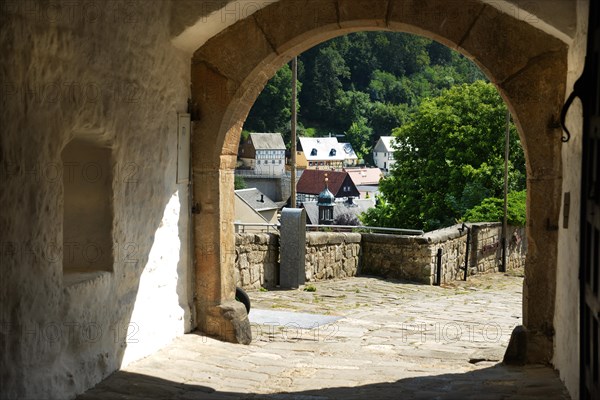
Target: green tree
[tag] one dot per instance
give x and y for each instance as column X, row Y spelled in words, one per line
column 351, row 106
column 492, row 210
column 272, row 110
column 385, row 117
column 386, row 87
column 328, row 71
column 449, row 159
column 359, row 134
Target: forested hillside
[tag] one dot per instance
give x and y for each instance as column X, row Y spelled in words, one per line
column 361, row 85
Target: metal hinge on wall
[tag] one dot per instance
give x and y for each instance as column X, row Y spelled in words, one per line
column 581, row 89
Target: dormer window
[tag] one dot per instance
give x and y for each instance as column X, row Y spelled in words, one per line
column 332, row 153
column 313, row 152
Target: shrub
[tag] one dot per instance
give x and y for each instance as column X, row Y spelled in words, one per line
column 492, row 210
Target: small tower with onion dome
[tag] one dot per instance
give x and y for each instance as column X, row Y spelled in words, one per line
column 326, row 202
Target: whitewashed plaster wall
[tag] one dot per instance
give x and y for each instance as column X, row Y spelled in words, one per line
column 566, row 317
column 106, row 72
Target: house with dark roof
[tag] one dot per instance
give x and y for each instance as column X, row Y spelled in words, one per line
column 312, row 182
column 264, row 153
column 252, row 206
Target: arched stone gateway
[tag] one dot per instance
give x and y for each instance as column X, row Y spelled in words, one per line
column 528, row 66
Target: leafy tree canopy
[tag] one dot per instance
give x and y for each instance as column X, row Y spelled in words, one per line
column 492, row 210
column 449, row 158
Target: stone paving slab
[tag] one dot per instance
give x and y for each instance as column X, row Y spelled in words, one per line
column 392, row 340
column 289, row 319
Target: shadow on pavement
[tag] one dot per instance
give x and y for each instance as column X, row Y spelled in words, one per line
column 495, row 382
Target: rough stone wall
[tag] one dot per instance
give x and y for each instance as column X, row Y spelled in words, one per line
column 398, row 257
column 328, row 256
column 331, row 255
column 415, row 258
column 486, row 248
column 517, row 247
column 256, row 260
column 454, row 246
column 105, row 72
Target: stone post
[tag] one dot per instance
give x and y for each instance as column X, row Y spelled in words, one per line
column 218, row 314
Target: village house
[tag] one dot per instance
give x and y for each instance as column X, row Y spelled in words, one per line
column 327, row 153
column 264, row 153
column 383, row 153
column 254, row 207
column 312, row 181
column 366, row 180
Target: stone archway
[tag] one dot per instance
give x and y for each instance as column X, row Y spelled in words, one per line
column 528, row 66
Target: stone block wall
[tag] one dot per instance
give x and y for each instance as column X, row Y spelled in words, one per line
column 331, row 255
column 517, row 247
column 453, row 243
column 486, row 248
column 328, row 256
column 256, row 260
column 398, row 257
column 415, row 258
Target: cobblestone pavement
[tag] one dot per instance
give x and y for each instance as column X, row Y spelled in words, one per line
column 394, row 341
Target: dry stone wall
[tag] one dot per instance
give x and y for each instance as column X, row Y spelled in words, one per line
column 256, row 260
column 398, row 257
column 416, row 258
column 331, row 255
column 453, row 243
column 328, row 256
column 486, row 248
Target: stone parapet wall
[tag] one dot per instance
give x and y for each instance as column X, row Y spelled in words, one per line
column 256, row 260
column 328, row 256
column 331, row 255
column 486, row 248
column 453, row 244
column 517, row 247
column 393, row 256
column 416, row 258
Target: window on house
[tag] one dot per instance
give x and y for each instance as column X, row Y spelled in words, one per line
column 87, row 208
column 313, row 152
